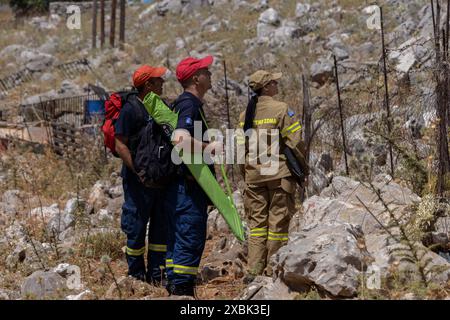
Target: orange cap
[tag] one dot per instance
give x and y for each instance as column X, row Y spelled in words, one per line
column 146, row 72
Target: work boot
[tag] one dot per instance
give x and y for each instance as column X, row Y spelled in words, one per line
column 185, row 289
column 138, row 276
column 157, row 282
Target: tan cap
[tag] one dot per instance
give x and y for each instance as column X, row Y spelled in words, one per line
column 260, row 78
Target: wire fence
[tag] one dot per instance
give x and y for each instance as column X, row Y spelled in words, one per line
column 69, row 110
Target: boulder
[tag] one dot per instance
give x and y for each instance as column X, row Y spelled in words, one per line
column 408, row 54
column 211, row 24
column 339, row 202
column 85, row 295
column 115, row 191
column 27, row 257
column 49, row 47
column 216, row 224
column 71, row 273
column 9, row 294
column 43, row 285
column 322, row 71
column 265, row 288
column 61, row 222
column 270, row 17
column 35, row 60
column 390, row 255
column 69, row 88
column 115, row 206
column 262, row 5
column 133, row 288
column 209, row 272
column 330, row 256
column 46, row 212
column 302, row 9
column 97, row 198
column 169, row 7
column 161, row 50
column 268, row 22
column 12, row 198
column 10, row 203
column 13, row 50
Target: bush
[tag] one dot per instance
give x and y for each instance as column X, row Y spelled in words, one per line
column 26, row 7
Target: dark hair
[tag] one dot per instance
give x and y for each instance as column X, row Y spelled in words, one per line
column 251, row 109
column 186, row 83
column 140, row 89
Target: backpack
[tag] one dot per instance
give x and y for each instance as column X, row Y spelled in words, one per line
column 112, row 111
column 153, row 162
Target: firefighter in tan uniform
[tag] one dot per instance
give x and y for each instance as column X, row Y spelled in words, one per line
column 269, row 195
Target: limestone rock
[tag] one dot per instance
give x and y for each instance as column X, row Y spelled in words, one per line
column 43, row 285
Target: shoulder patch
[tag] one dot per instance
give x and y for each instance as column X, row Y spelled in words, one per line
column 290, row 113
column 189, row 120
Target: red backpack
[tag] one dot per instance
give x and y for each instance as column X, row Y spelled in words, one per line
column 112, row 111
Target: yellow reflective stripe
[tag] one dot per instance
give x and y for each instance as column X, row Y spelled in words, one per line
column 259, row 229
column 261, row 121
column 285, row 134
column 157, row 247
column 278, row 236
column 169, row 263
column 181, row 271
column 292, row 128
column 184, row 269
column 296, row 129
column 278, row 239
column 135, row 252
column 258, row 232
column 265, row 121
column 292, row 125
column 278, row 233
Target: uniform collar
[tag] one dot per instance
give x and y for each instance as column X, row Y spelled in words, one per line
column 265, row 99
column 196, row 99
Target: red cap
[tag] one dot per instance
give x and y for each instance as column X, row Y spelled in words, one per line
column 187, row 67
column 146, row 72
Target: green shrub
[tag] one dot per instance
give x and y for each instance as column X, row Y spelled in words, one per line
column 26, row 7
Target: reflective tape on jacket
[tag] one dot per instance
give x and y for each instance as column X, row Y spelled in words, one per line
column 291, row 129
column 265, row 121
column 135, row 252
column 185, row 269
column 157, row 247
column 261, row 121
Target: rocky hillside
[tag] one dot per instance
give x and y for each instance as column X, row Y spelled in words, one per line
column 364, row 235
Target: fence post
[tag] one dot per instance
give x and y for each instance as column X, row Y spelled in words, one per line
column 341, row 116
column 102, row 23
column 122, row 25
column 94, row 24
column 113, row 23
column 388, row 109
